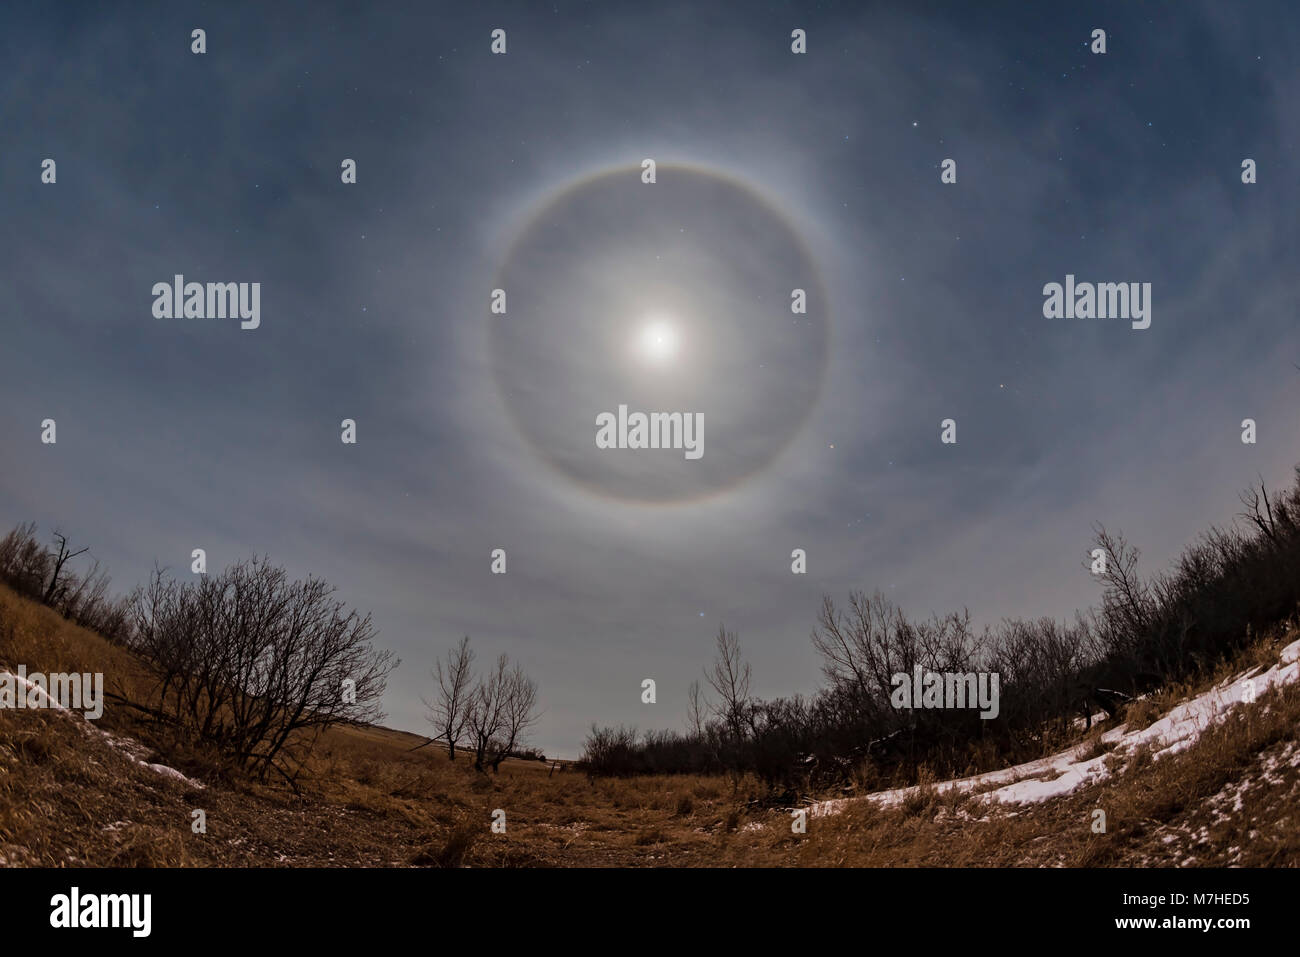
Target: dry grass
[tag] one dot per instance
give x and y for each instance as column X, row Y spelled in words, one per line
column 1143, row 713
column 367, row 799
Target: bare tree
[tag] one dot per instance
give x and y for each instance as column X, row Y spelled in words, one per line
column 62, row 558
column 519, row 713
column 450, row 712
column 485, row 712
column 695, row 709
column 24, row 562
column 499, row 713
column 1274, row 520
column 729, row 677
column 1128, row 608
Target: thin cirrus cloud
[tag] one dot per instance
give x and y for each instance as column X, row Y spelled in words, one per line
column 174, row 435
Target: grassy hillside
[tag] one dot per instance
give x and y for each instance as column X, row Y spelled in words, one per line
column 72, row 796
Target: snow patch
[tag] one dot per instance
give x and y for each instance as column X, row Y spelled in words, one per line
column 132, row 749
column 1068, row 771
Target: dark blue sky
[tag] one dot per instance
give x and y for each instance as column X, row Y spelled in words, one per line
column 177, row 434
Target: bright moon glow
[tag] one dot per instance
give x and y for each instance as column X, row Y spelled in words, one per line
column 657, row 341
column 654, row 304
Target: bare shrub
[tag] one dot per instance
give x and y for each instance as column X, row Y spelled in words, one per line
column 499, row 714
column 256, row 663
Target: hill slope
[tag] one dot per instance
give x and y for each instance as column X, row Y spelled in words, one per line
column 1209, row 780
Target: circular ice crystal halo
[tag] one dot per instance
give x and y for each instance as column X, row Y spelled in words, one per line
column 672, row 297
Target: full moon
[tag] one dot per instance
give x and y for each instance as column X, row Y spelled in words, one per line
column 657, row 343
column 681, row 301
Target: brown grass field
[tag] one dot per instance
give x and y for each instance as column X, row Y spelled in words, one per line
column 69, row 798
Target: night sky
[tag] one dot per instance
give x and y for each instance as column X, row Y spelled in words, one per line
column 774, row 171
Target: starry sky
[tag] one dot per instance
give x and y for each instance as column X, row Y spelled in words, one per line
column 775, row 170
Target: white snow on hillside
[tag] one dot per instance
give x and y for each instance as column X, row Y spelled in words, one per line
column 132, row 749
column 1064, row 773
